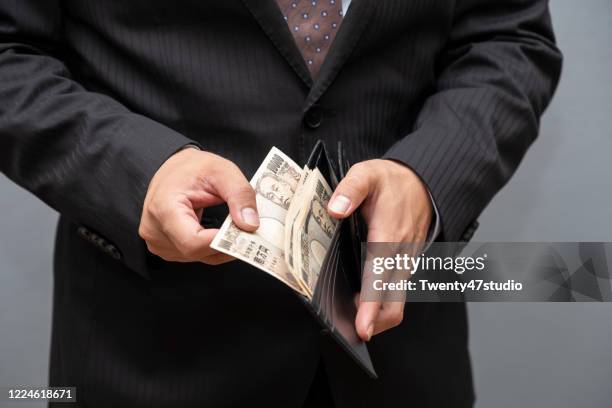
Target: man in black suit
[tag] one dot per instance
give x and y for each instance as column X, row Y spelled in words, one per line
column 136, row 119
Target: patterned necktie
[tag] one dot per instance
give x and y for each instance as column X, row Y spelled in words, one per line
column 314, row 24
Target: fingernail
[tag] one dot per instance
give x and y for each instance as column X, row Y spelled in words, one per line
column 370, row 331
column 340, row 204
column 250, row 216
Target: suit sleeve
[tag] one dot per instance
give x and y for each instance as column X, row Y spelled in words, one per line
column 83, row 153
column 496, row 75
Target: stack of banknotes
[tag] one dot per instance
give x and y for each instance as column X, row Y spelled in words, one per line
column 295, row 229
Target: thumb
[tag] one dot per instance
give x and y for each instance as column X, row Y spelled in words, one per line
column 235, row 190
column 350, row 192
column 366, row 316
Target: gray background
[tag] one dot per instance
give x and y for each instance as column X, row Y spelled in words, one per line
column 524, row 355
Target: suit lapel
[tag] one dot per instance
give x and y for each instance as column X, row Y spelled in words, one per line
column 269, row 17
column 352, row 27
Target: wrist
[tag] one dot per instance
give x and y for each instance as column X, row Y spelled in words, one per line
column 418, row 192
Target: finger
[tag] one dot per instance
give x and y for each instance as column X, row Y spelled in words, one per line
column 236, row 191
column 350, row 193
column 157, row 242
column 391, row 315
column 169, row 256
column 159, row 246
column 218, row 259
column 356, row 299
column 365, row 321
column 191, row 240
column 168, row 252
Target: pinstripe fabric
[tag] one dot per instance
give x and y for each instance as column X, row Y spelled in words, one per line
column 94, row 96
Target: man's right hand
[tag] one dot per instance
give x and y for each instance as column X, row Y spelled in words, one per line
column 187, row 183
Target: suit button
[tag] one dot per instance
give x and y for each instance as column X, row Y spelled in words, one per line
column 99, row 241
column 469, row 232
column 314, row 117
column 84, row 233
column 113, row 252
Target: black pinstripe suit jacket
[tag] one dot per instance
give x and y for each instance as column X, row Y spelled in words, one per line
column 95, row 95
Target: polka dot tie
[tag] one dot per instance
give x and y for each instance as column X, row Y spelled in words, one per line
column 314, row 24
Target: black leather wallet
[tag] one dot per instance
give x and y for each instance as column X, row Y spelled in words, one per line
column 340, row 276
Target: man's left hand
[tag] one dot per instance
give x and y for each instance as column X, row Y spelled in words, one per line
column 396, row 205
